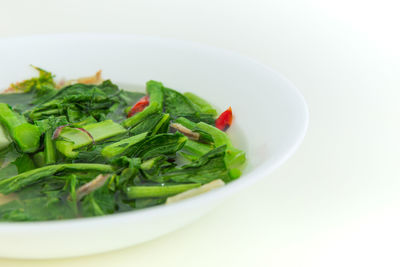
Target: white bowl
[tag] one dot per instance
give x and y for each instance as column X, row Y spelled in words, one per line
column 271, row 119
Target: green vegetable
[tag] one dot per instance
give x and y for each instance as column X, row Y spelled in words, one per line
column 39, row 159
column 5, row 139
column 72, row 152
column 26, row 135
column 78, row 101
column 27, row 178
column 197, row 148
column 120, row 147
column 234, row 156
column 201, row 104
column 99, row 202
column 206, row 169
column 42, row 83
column 49, row 148
column 153, row 124
column 161, row 144
column 155, row 91
column 157, row 191
column 73, row 138
column 141, row 116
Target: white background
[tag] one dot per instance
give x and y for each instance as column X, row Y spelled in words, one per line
column 336, row 201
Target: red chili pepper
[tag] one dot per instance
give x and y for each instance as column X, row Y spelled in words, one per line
column 139, row 106
column 224, row 120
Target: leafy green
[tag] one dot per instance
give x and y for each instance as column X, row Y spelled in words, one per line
column 153, row 124
column 71, row 152
column 161, row 144
column 78, row 101
column 155, row 91
column 99, row 202
column 27, row 178
column 178, row 105
column 153, row 108
column 73, row 138
column 206, row 169
column 43, row 83
column 122, row 146
column 234, row 157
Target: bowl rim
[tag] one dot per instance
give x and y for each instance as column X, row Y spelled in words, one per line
column 251, row 177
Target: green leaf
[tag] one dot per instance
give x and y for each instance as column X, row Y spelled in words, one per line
column 207, row 168
column 234, row 157
column 41, row 84
column 161, row 144
column 79, row 100
column 123, row 147
column 153, row 124
column 99, row 202
column 27, row 178
column 155, row 91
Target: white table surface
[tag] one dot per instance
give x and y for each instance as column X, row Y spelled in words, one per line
column 336, row 201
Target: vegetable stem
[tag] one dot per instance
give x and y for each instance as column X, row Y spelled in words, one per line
column 26, row 135
column 157, row 191
column 73, row 138
column 138, row 117
column 49, row 148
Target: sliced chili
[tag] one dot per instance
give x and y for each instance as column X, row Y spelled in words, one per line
column 139, row 106
column 224, row 120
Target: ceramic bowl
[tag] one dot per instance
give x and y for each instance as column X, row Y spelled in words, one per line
column 270, row 122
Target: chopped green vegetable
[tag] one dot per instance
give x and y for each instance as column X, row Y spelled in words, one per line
column 120, row 147
column 201, row 104
column 234, row 156
column 73, row 138
column 49, row 148
column 156, row 94
column 26, row 135
column 72, row 152
column 24, row 179
column 141, row 116
column 158, row 191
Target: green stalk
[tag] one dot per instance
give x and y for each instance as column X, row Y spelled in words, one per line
column 233, row 157
column 87, row 120
column 157, row 191
column 138, row 117
column 164, row 122
column 39, row 159
column 72, row 138
column 27, row 178
column 50, row 153
column 26, row 135
column 103, row 130
column 120, row 147
column 187, row 123
column 201, row 104
column 155, row 91
column 5, row 138
column 197, row 148
column 204, row 135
